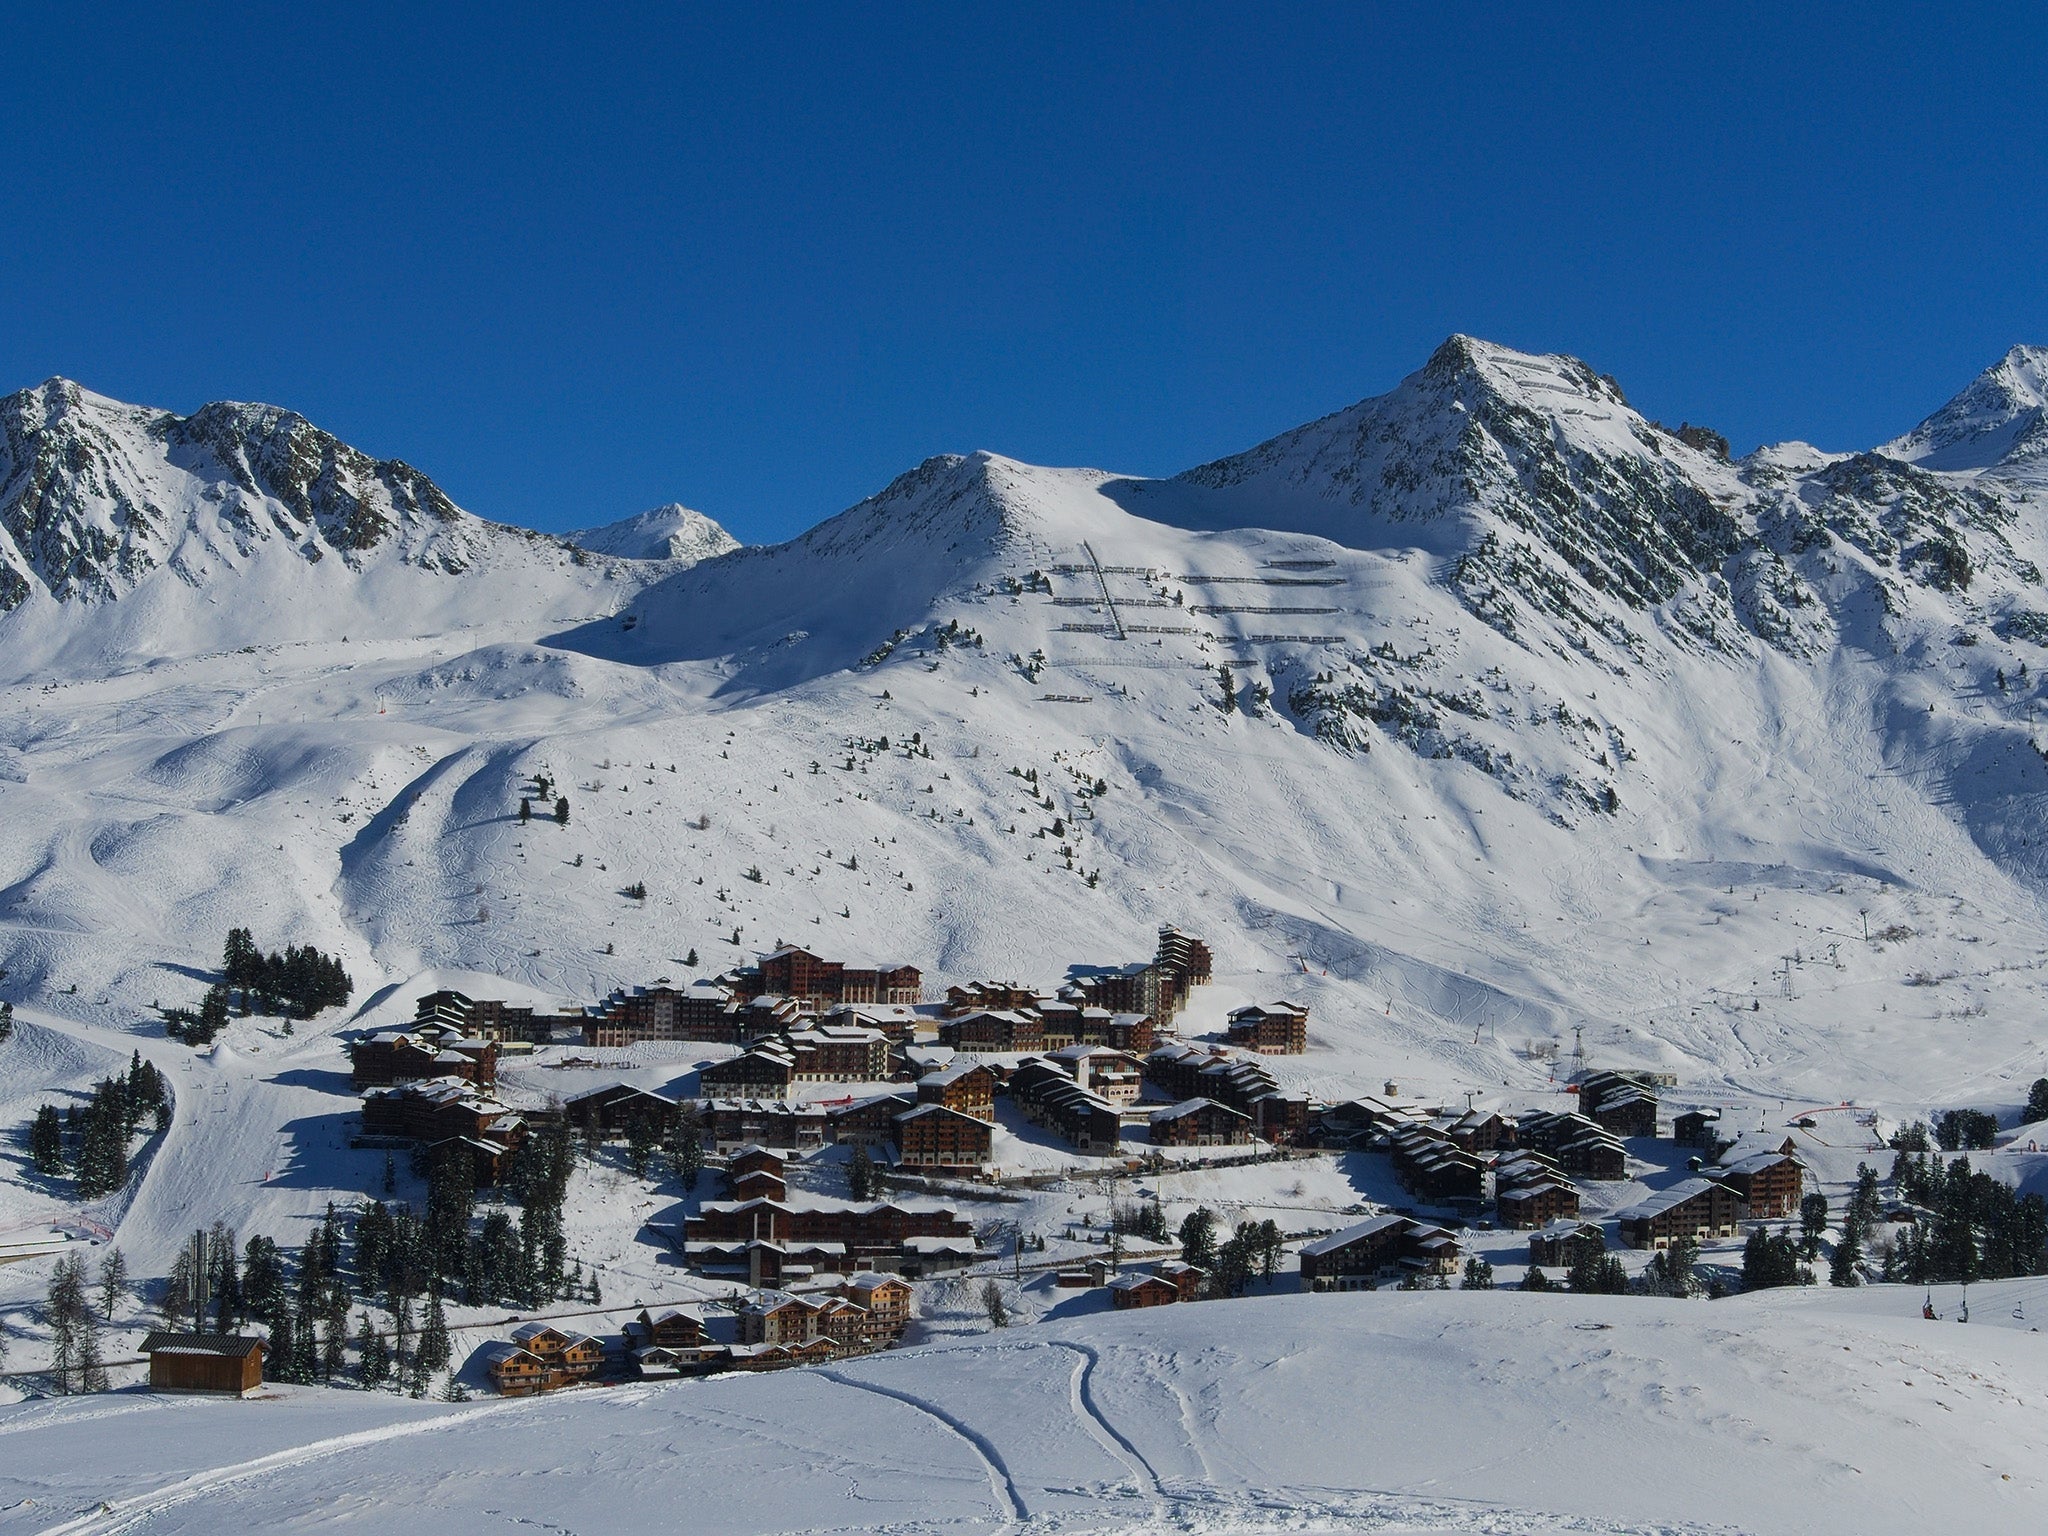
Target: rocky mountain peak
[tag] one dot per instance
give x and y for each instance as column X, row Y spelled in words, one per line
column 96, row 495
column 1999, row 422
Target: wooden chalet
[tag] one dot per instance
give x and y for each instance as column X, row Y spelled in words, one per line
column 221, row 1364
column 933, row 1136
column 1562, row 1244
column 965, row 1086
column 993, row 1031
column 776, row 1317
column 671, row 1329
column 756, row 1184
column 1384, row 1247
column 795, row 972
column 446, row 1112
column 761, row 1072
column 885, row 1299
column 1270, row 1029
column 1200, row 1123
column 516, row 1372
column 730, row 1124
column 1188, row 1279
column 1769, row 1182
column 404, row 1056
column 653, row 1362
column 756, row 1159
column 1697, row 1128
column 1044, row 1095
column 1537, row 1203
column 613, row 1110
column 1114, row 1075
column 1128, row 1291
column 870, row 1121
column 1694, row 1208
column 566, row 1358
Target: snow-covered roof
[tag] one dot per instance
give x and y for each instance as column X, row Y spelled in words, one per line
column 1350, row 1235
column 1665, row 1199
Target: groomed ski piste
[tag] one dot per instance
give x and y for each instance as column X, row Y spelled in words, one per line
column 1813, row 894
column 1493, row 1413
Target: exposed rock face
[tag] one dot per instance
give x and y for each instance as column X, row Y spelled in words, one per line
column 95, row 495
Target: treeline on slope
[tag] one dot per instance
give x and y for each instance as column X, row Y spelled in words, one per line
column 1980, row 1228
column 297, row 983
column 402, row 1260
column 91, row 1141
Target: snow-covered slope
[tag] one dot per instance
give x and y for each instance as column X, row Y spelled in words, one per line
column 1482, row 717
column 1496, row 1413
column 668, row 532
column 1541, row 717
column 1998, row 424
column 129, row 534
column 1518, row 683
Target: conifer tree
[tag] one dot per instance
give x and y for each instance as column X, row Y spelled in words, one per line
column 434, row 1348
column 334, row 1335
column 373, row 1355
column 2036, row 1107
column 46, row 1141
column 74, row 1332
column 1198, row 1239
column 1848, row 1255
column 1813, row 1224
column 213, row 1016
column 562, row 811
column 281, row 1358
column 113, row 1282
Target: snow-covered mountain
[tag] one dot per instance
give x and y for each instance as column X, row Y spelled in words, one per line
column 1484, row 717
column 668, row 532
column 129, row 534
column 1998, row 425
column 1456, row 696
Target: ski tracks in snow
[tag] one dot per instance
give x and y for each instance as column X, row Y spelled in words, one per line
column 1002, row 1484
column 127, row 1514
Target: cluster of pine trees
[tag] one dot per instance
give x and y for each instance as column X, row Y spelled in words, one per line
column 396, row 1258
column 1981, row 1227
column 298, row 983
column 92, row 1141
column 444, row 1251
column 77, row 1361
column 1252, row 1250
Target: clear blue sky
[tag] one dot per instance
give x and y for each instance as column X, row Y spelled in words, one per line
column 574, row 261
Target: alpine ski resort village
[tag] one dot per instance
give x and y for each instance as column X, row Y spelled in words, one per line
column 1510, row 936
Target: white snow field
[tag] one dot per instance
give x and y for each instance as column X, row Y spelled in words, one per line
column 1495, row 1413
column 1544, row 725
